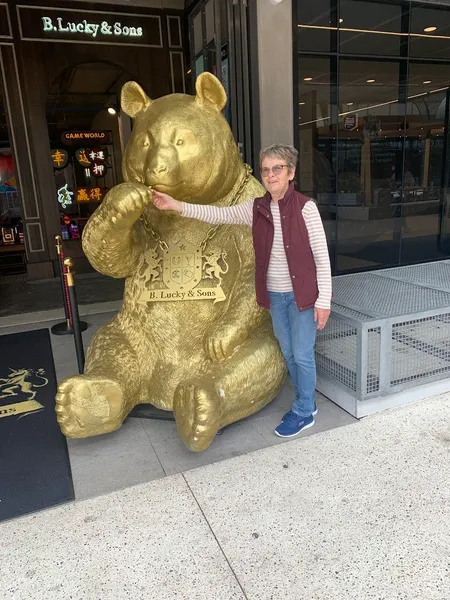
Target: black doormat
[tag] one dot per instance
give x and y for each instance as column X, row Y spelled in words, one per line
column 34, row 461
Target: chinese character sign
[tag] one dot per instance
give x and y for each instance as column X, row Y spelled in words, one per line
column 82, row 157
column 98, row 169
column 59, row 158
column 87, row 156
column 97, row 155
column 90, row 194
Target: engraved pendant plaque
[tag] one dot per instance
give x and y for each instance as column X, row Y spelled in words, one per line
column 183, row 272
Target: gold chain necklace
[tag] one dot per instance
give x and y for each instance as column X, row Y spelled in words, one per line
column 212, row 232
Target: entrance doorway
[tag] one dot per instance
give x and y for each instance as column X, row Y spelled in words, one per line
column 12, row 249
column 219, row 40
column 87, row 134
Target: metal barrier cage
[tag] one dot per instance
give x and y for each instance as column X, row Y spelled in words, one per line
column 388, row 339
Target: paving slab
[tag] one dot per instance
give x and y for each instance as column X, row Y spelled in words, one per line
column 147, row 542
column 239, row 438
column 361, row 512
column 107, row 463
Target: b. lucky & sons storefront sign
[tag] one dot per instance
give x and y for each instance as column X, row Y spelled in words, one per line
column 48, row 24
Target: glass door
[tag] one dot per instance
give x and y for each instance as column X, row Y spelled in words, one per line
column 219, row 33
column 444, row 233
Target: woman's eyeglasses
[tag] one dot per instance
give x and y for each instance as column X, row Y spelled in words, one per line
column 276, row 170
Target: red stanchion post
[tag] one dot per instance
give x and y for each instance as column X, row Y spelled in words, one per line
column 66, row 327
column 73, row 305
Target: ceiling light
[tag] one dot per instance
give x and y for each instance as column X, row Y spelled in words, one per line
column 301, row 103
column 341, row 20
column 371, row 81
column 349, row 103
column 112, row 110
column 307, row 79
column 430, row 29
column 427, row 81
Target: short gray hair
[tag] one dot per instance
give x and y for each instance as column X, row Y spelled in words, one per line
column 287, row 153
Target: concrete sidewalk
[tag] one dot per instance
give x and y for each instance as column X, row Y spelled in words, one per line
column 361, row 512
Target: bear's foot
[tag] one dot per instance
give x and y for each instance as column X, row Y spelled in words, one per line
column 88, row 405
column 197, row 413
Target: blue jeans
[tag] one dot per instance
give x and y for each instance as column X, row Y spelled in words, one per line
column 295, row 331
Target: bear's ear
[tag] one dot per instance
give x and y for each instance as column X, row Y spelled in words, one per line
column 210, row 90
column 133, row 99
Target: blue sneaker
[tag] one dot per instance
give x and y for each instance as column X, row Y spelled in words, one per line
column 289, row 412
column 293, row 424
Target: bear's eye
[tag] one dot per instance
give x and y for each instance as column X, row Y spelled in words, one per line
column 180, row 142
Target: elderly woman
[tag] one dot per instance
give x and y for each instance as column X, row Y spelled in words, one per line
column 293, row 275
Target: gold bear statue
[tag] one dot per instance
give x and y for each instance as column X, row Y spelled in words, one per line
column 189, row 337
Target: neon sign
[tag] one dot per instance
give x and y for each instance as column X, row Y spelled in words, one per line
column 59, row 25
column 65, row 196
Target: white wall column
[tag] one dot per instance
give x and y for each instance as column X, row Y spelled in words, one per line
column 274, row 23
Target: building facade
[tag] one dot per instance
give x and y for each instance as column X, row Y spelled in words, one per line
column 371, row 115
column 62, row 66
column 361, row 87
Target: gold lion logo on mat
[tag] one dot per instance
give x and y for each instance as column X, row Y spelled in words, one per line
column 22, row 385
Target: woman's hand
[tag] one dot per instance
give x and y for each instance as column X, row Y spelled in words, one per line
column 166, row 202
column 321, row 316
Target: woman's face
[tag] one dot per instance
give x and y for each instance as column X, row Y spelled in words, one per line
column 276, row 175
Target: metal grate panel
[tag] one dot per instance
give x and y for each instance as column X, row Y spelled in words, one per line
column 350, row 312
column 384, row 297
column 406, row 347
column 336, row 352
column 373, row 359
column 433, row 275
column 420, row 349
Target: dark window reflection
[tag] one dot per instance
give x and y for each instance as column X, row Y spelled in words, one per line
column 317, row 25
column 430, row 32
column 370, row 28
column 424, row 167
column 372, row 133
column 317, row 138
column 370, row 153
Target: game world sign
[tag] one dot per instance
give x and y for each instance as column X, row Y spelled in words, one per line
column 60, row 24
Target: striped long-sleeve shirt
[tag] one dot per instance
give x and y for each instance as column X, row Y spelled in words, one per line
column 278, row 277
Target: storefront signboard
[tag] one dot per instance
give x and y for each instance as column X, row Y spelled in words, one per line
column 49, row 24
column 84, row 135
column 65, row 196
column 98, row 169
column 5, row 22
column 82, row 157
column 59, row 158
column 90, row 194
column 97, row 155
column 85, row 138
column 350, row 122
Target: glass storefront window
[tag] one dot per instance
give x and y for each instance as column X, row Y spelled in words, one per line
column 209, row 18
column 369, row 176
column 198, row 33
column 224, row 51
column 370, row 28
column 372, row 129
column 12, row 248
column 317, row 25
column 424, row 167
column 317, row 138
column 430, row 32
